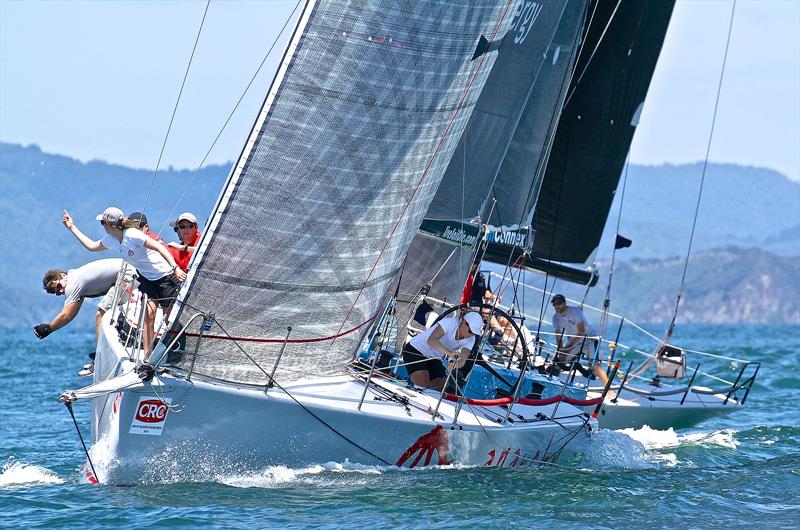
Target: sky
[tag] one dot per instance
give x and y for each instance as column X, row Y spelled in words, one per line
column 99, row 80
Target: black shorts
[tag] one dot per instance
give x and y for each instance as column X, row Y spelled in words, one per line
column 415, row 361
column 162, row 291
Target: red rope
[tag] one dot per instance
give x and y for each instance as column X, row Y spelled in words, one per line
column 525, row 401
column 293, row 341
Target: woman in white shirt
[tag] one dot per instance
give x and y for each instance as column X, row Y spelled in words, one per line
column 450, row 337
column 159, row 275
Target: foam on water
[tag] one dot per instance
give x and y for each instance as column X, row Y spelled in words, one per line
column 655, row 439
column 280, row 476
column 17, row 473
column 103, row 458
column 615, row 450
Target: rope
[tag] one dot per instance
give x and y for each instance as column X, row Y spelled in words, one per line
column 230, row 115
column 68, row 404
column 703, row 176
column 298, row 403
column 175, row 109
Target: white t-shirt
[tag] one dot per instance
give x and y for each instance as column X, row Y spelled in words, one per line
column 450, row 326
column 91, row 280
column 569, row 323
column 149, row 263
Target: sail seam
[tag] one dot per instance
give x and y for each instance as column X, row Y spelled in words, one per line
column 278, row 286
column 416, row 188
column 282, row 341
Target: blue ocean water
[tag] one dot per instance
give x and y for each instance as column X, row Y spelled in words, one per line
column 737, row 471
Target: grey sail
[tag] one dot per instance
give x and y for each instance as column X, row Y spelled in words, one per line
column 522, row 169
column 504, row 139
column 621, row 49
column 348, row 150
column 526, row 82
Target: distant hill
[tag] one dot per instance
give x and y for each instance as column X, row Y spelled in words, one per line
column 723, row 286
column 741, row 205
column 37, row 187
column 756, row 209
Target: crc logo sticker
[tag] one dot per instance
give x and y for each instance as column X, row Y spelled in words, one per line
column 151, row 415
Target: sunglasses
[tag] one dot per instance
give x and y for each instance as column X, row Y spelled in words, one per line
column 54, row 288
column 185, row 227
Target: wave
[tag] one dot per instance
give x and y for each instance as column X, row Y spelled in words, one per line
column 615, row 450
column 281, row 476
column 653, row 439
column 17, row 473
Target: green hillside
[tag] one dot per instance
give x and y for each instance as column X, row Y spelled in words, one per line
column 756, row 209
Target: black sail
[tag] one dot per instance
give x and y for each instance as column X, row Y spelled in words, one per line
column 616, row 63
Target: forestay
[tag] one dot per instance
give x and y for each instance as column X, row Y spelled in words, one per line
column 346, row 154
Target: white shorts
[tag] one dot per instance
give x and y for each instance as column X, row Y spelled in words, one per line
column 129, row 284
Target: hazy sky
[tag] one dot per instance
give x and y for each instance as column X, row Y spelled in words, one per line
column 100, row 79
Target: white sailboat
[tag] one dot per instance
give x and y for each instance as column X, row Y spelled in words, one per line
column 306, row 239
column 564, row 189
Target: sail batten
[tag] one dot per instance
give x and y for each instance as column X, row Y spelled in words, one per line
column 341, row 165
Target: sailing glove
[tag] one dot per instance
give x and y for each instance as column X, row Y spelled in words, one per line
column 42, row 330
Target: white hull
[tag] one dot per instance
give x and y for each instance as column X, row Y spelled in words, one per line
column 632, row 410
column 223, row 426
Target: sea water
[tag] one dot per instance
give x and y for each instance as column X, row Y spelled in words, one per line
column 735, row 471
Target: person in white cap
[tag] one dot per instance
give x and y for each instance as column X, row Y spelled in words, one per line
column 159, row 275
column 186, row 228
column 450, row 338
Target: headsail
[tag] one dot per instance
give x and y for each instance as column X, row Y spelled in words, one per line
column 619, row 54
column 343, row 161
column 526, row 81
column 505, row 136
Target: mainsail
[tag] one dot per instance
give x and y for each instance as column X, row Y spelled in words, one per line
column 504, row 139
column 347, row 152
column 613, row 73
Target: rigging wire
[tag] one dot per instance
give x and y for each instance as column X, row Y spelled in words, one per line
column 538, row 175
column 703, row 176
column 175, row 109
column 230, row 115
column 596, row 47
column 607, row 299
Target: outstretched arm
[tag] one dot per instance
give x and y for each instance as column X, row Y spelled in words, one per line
column 161, row 249
column 62, row 319
column 92, row 246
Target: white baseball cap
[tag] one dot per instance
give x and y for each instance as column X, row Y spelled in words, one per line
column 111, row 215
column 185, row 216
column 475, row 322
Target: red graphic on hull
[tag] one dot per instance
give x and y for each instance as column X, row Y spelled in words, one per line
column 89, row 475
column 436, row 440
column 519, row 459
column 115, row 405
